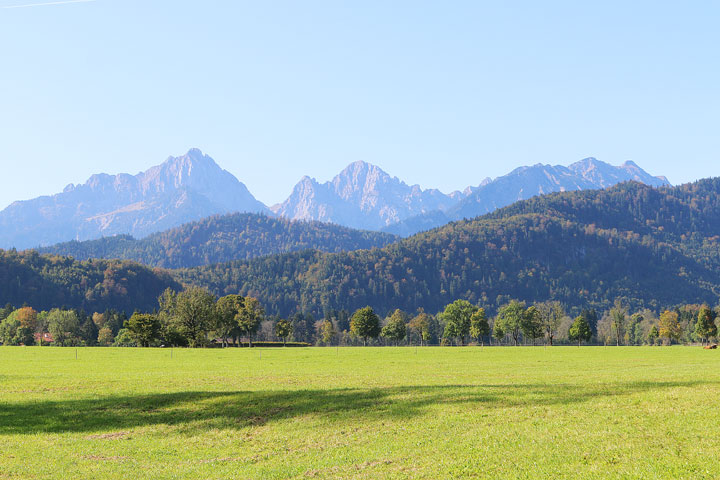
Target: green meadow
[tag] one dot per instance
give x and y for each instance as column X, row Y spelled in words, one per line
column 493, row 412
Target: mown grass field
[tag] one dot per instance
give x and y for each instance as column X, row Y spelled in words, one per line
column 560, row 412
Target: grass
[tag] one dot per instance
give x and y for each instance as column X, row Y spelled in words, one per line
column 560, row 412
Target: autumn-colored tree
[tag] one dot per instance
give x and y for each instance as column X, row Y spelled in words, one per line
column 669, row 328
column 27, row 324
column 27, row 317
column 99, row 320
column 105, row 337
column 327, row 331
column 420, row 324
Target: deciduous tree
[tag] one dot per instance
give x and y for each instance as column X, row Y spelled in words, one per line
column 618, row 316
column 653, row 335
column 580, row 330
column 105, row 337
column 18, row 328
column 250, row 316
column 226, row 322
column 144, row 328
column 327, row 331
column 669, row 328
column 479, row 326
column 365, row 324
column 705, row 327
column 532, row 324
column 510, row 319
column 283, row 329
column 457, row 319
column 420, row 324
column 396, row 328
column 195, row 313
column 551, row 313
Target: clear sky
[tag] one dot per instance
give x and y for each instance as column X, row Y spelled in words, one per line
column 439, row 93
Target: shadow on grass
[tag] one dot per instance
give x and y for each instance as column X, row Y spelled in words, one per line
column 196, row 411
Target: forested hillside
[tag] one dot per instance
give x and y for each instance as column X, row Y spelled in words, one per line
column 216, row 239
column 655, row 247
column 47, row 281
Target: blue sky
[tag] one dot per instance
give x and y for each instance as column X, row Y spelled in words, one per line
column 442, row 94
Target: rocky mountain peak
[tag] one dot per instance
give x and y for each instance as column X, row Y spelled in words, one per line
column 180, row 189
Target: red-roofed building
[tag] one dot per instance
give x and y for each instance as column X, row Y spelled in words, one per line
column 43, row 338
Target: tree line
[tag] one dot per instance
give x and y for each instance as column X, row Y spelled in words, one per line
column 196, row 318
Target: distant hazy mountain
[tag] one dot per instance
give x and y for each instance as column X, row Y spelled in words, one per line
column 179, row 190
column 222, row 238
column 526, row 182
column 362, row 196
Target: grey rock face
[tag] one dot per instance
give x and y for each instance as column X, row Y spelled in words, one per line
column 526, row 182
column 362, row 196
column 193, row 186
column 179, row 190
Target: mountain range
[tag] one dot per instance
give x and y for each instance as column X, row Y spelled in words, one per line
column 362, row 196
column 524, row 183
column 652, row 247
column 191, row 187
